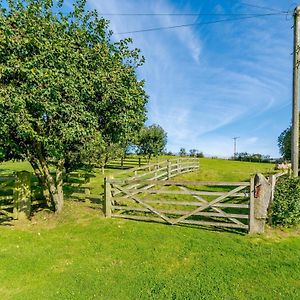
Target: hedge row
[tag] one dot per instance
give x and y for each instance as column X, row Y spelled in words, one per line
column 286, row 205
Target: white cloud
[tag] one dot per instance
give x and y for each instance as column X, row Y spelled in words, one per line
column 202, row 79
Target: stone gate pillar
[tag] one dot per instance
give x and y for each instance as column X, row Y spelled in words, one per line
column 260, row 197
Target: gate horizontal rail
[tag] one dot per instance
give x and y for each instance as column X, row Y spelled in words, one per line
column 133, row 199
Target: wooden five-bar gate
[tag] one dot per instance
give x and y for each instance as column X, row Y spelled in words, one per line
column 195, row 203
column 242, row 205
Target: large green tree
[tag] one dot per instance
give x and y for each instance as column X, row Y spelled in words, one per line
column 65, row 88
column 152, row 141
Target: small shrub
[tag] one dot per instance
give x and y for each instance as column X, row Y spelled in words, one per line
column 286, row 205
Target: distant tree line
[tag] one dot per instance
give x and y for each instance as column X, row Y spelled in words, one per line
column 192, row 153
column 256, row 157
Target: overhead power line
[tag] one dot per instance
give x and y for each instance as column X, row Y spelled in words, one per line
column 202, row 23
column 201, row 14
column 262, row 7
column 177, row 14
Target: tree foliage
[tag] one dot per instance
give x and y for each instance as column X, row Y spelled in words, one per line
column 152, row 141
column 284, row 143
column 65, row 88
column 182, row 152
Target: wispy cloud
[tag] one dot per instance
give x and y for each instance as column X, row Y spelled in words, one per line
column 203, row 81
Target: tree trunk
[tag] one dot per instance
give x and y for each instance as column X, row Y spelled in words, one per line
column 54, row 187
column 39, row 174
column 59, row 185
column 40, row 165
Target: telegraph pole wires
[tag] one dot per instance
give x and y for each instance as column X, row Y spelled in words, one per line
column 295, row 113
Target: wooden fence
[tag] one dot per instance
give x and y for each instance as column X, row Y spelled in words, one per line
column 7, row 196
column 161, row 170
column 182, row 202
column 242, row 205
column 18, row 194
column 127, row 162
column 21, row 193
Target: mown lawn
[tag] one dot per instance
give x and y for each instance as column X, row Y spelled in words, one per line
column 226, row 170
column 81, row 255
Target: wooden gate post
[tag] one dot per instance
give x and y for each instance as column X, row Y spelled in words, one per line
column 107, row 198
column 260, row 198
column 22, row 196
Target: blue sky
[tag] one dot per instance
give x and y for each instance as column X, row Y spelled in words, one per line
column 210, row 83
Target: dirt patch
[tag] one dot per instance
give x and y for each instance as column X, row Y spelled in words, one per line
column 281, row 233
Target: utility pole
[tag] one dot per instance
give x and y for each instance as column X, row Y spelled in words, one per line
column 234, row 145
column 295, row 118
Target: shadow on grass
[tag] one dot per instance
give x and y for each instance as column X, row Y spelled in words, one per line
column 5, row 220
column 6, row 172
column 110, row 167
column 210, row 228
column 78, row 187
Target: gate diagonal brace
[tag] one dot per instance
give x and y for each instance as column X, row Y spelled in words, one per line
column 145, row 205
column 208, row 204
column 220, row 211
column 138, row 191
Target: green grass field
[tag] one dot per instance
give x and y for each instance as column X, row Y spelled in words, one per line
column 81, row 255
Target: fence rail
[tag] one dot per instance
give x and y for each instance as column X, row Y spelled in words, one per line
column 127, row 162
column 162, row 170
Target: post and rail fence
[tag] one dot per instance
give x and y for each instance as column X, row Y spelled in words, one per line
column 161, row 170
column 21, row 193
column 149, row 193
column 15, row 196
column 127, row 162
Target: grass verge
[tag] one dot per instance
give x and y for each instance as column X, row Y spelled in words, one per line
column 79, row 255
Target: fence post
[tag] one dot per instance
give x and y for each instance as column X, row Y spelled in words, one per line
column 260, row 197
column 178, row 166
column 107, row 198
column 169, row 170
column 22, row 196
column 139, row 161
column 87, row 193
